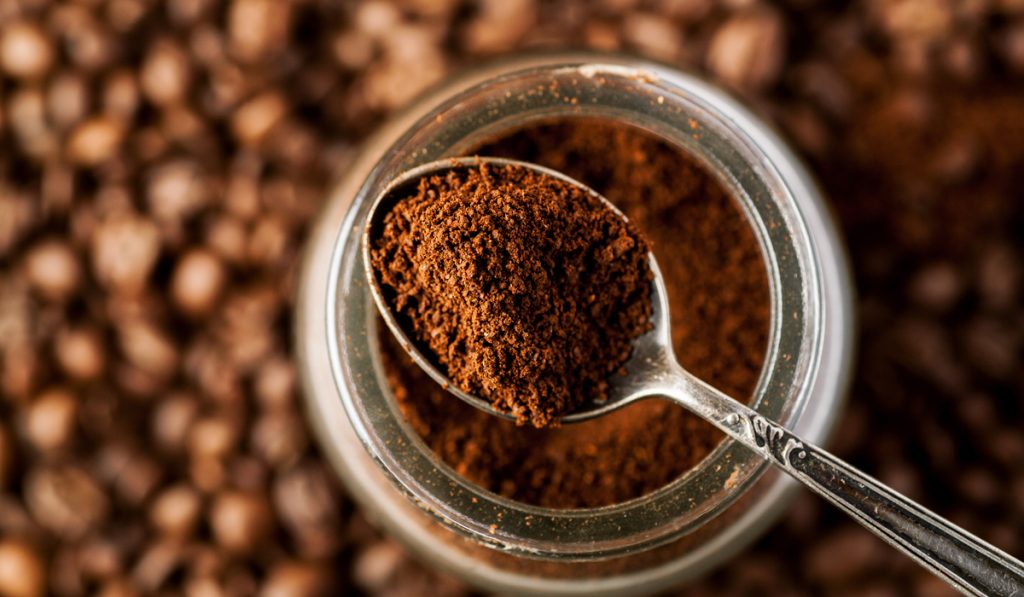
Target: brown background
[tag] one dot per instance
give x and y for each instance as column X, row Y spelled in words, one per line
column 160, row 162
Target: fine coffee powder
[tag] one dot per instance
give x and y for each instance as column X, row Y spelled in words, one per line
column 163, row 163
column 719, row 303
column 526, row 290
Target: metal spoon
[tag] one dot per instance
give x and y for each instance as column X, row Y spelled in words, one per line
column 965, row 561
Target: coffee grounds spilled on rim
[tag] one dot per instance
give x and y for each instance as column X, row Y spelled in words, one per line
column 526, row 290
column 719, row 302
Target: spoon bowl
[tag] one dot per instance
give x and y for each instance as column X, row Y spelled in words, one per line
column 963, row 560
column 649, row 349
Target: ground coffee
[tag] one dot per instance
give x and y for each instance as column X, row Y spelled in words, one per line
column 221, row 125
column 718, row 296
column 526, row 290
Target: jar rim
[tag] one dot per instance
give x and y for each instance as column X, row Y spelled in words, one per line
column 666, row 513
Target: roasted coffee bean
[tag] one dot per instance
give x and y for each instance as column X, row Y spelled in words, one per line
column 22, row 572
column 376, row 566
column 50, row 420
column 148, row 348
column 175, row 191
column 172, row 420
column 95, row 141
column 156, row 564
column 256, row 117
column 67, row 99
column 124, row 250
column 65, row 500
column 306, row 499
column 80, row 352
column 258, row 28
column 279, row 438
column 120, row 95
column 938, row 286
column 53, row 269
column 197, row 283
column 747, row 51
column 498, row 26
column 213, row 437
column 164, row 77
column 275, row 384
column 240, row 521
column 654, row 35
column 25, row 50
column 175, row 511
column 296, row 579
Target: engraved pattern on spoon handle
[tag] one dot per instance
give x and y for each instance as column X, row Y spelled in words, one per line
column 965, row 561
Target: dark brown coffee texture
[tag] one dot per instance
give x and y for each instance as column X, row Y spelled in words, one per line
column 718, row 298
column 161, row 167
column 525, row 289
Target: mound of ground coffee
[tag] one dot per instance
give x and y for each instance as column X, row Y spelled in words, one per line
column 526, row 290
column 719, row 303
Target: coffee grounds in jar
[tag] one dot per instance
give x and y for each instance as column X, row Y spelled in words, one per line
column 526, row 290
column 719, row 303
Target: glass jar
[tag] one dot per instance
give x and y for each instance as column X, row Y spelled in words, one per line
column 644, row 544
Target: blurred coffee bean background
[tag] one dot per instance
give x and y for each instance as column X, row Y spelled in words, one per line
column 160, row 162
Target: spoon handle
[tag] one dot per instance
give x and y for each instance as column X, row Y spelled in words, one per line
column 965, row 561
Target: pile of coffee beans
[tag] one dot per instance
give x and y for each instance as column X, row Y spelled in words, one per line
column 160, row 162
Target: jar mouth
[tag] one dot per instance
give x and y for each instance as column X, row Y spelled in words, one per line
column 733, row 146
